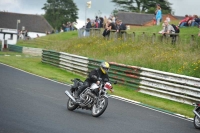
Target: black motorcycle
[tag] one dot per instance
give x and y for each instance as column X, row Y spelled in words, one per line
column 197, row 115
column 93, row 98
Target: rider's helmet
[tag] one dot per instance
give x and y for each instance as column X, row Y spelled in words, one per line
column 104, row 66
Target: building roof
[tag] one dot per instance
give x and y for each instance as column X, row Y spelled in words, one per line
column 179, row 17
column 32, row 23
column 133, row 18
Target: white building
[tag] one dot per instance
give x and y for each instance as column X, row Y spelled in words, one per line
column 36, row 25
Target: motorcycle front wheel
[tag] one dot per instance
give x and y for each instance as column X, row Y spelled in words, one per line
column 197, row 121
column 71, row 105
column 100, row 106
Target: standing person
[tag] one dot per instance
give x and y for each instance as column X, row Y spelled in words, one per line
column 101, row 22
column 88, row 26
column 109, row 26
column 26, row 35
column 120, row 26
column 61, row 30
column 96, row 22
column 63, row 27
column 105, row 21
column 158, row 14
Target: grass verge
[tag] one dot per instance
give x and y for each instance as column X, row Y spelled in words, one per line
column 33, row 65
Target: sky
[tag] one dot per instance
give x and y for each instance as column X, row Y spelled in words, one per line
column 98, row 7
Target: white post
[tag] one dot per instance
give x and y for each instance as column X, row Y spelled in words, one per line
column 18, row 21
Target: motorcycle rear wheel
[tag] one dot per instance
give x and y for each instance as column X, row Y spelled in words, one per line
column 197, row 121
column 71, row 105
column 100, row 107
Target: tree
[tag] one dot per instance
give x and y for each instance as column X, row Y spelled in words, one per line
column 58, row 12
column 143, row 6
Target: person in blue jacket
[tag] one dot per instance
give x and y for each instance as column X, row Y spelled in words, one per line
column 158, row 14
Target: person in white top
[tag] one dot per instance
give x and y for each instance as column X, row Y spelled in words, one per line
column 168, row 19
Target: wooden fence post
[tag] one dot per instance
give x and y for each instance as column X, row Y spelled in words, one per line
column 153, row 38
column 133, row 37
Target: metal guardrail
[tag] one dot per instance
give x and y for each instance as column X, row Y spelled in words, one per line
column 67, row 61
column 74, row 63
column 15, row 48
column 175, row 87
column 171, row 86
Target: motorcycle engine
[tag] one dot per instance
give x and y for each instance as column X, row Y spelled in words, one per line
column 88, row 98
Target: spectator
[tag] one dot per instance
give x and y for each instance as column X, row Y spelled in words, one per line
column 88, row 26
column 47, row 32
column 189, row 20
column 73, row 26
column 120, row 26
column 101, row 22
column 113, row 19
column 63, row 27
column 92, row 23
column 109, row 26
column 183, row 22
column 21, row 34
column 69, row 26
column 167, row 28
column 61, row 30
column 163, row 25
column 195, row 21
column 116, row 18
column 97, row 22
column 168, row 18
column 105, row 21
column 158, row 14
column 26, row 34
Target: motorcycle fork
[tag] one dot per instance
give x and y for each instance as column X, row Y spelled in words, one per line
column 197, row 108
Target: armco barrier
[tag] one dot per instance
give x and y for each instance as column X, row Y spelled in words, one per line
column 15, row 48
column 26, row 50
column 74, row 63
column 175, row 87
column 157, row 83
column 70, row 62
column 32, row 51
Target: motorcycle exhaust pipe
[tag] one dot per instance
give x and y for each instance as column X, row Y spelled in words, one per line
column 70, row 96
column 195, row 112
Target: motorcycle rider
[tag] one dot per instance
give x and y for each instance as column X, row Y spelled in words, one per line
column 93, row 77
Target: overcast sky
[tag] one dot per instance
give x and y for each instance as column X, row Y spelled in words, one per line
column 105, row 7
